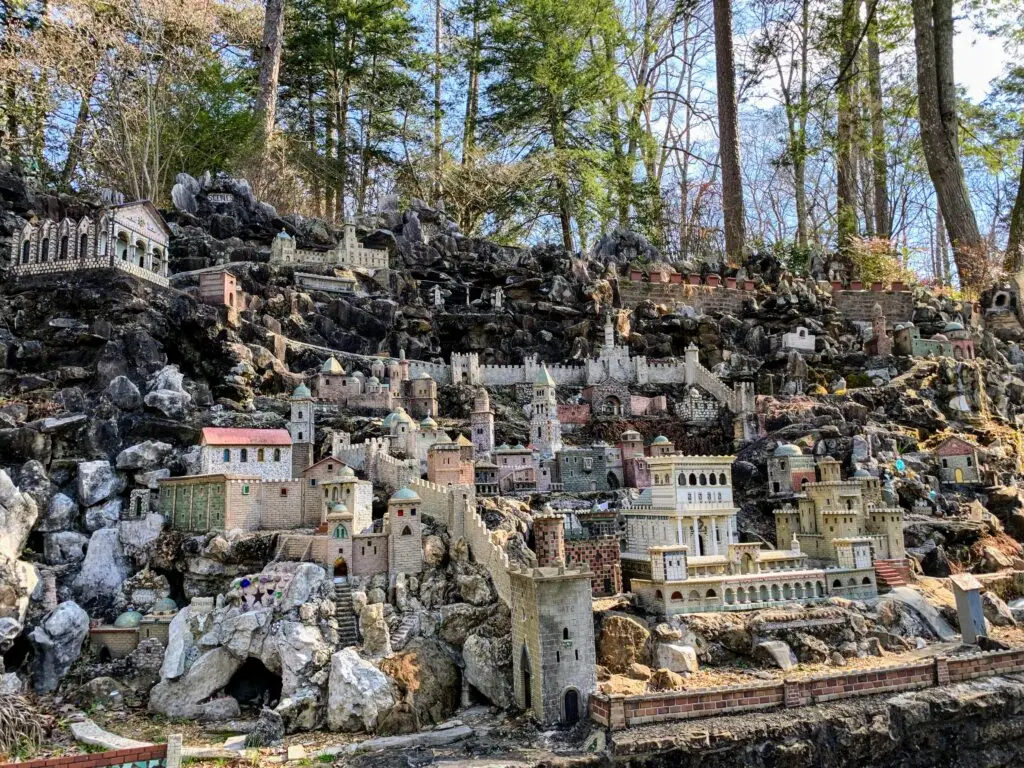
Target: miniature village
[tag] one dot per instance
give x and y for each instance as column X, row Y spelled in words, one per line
column 411, row 485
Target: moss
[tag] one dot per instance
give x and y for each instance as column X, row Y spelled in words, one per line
column 857, row 380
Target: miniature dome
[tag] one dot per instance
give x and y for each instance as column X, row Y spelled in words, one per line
column 404, row 494
column 164, row 605
column 336, row 507
column 390, row 419
column 443, row 439
column 862, row 474
column 373, row 380
column 630, row 434
column 424, row 375
column 788, row 449
column 301, row 391
column 544, row 378
column 128, row 620
column 953, row 326
column 332, row 366
column 428, row 423
column 282, row 235
column 939, row 337
column 660, row 440
column 346, row 473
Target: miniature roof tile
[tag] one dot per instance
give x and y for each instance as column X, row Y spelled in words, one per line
column 236, row 436
column 332, row 366
column 404, row 494
column 462, row 440
column 543, row 377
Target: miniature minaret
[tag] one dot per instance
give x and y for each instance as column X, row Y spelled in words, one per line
column 883, row 344
column 302, row 426
column 405, row 526
column 609, row 332
column 482, row 423
column 545, row 429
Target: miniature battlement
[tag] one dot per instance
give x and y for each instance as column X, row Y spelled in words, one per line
column 552, row 573
column 676, row 278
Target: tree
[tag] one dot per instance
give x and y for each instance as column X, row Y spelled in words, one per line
column 270, row 66
column 879, row 167
column 937, row 110
column 846, row 126
column 728, row 132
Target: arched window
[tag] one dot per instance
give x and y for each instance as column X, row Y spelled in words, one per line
column 259, row 454
column 713, row 479
column 407, row 531
column 703, row 479
column 140, row 252
column 26, row 248
column 44, row 252
column 657, row 594
column 565, row 633
column 340, row 532
column 677, row 596
column 83, row 246
column 693, row 479
column 300, row 416
column 721, row 479
column 63, row 252
column 226, row 455
column 711, row 593
column 682, row 478
column 243, row 455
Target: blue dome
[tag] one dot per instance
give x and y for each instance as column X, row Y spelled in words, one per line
column 788, row 449
column 659, row 440
column 953, row 326
column 404, row 494
column 128, row 620
column 302, row 391
column 164, row 605
column 862, row 474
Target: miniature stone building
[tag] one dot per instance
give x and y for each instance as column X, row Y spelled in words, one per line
column 449, row 464
column 118, row 640
column 953, row 342
column 545, row 429
column 223, row 502
column 832, row 509
column 131, row 237
column 302, row 427
column 553, row 650
column 262, row 453
column 799, row 339
column 347, row 253
column 553, row 545
column 220, row 289
column 879, row 344
column 421, row 396
column 958, row 461
column 516, row 470
column 316, row 489
column 582, row 469
column 481, row 422
column 789, row 470
column 405, row 525
column 342, row 282
column 485, row 478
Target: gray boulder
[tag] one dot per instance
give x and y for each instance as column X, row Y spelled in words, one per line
column 676, row 658
column 173, row 405
column 359, row 694
column 105, row 515
column 775, row 653
column 489, row 668
column 123, row 393
column 97, row 481
column 168, row 378
column 182, row 697
column 103, row 569
column 996, row 611
column 374, row 629
column 60, row 514
column 64, row 547
column 57, row 643
column 179, row 643
column 143, row 456
column 139, row 536
column 18, row 579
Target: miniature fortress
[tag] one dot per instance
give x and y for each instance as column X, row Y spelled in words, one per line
column 348, row 253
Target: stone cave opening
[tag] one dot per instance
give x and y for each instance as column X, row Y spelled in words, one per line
column 254, row 685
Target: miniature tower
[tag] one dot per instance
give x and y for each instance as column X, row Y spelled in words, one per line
column 405, row 542
column 549, row 539
column 482, row 423
column 302, row 426
column 882, row 343
column 545, row 429
column 553, row 654
column 609, row 332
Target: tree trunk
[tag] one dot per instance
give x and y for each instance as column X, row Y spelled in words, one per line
column 728, row 132
column 77, row 142
column 1015, row 242
column 941, row 249
column 880, row 171
column 438, row 192
column 561, row 186
column 311, row 139
column 846, row 171
column 472, row 90
column 270, row 66
column 341, row 119
column 936, row 100
column 799, row 150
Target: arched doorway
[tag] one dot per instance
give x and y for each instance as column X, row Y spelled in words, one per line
column 613, row 482
column 524, row 666
column 958, row 475
column 747, row 563
column 571, row 707
column 611, row 406
column 340, row 568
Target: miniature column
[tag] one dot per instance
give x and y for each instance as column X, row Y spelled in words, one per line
column 679, row 531
column 714, row 537
column 696, row 538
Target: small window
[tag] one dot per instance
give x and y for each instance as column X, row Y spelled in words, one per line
column 412, row 512
column 277, row 454
column 259, row 455
column 300, row 436
column 226, row 455
column 565, row 633
column 284, row 492
column 312, row 482
column 243, row 455
column 245, row 490
column 401, row 513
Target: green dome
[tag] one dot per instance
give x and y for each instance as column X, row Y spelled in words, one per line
column 346, row 473
column 128, row 620
column 788, row 449
column 302, row 391
column 659, row 440
column 164, row 605
column 428, row 423
column 953, row 326
column 404, row 494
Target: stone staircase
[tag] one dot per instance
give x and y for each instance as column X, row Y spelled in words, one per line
column 890, row 574
column 348, row 633
column 410, row 624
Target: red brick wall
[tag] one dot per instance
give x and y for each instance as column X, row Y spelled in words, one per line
column 97, row 759
column 602, row 554
column 549, row 540
column 680, row 705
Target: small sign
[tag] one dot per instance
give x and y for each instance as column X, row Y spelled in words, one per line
column 218, row 198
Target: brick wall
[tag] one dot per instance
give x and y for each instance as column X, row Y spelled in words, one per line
column 897, row 306
column 616, row 711
column 602, row 555
column 280, row 505
column 703, row 298
column 117, row 757
column 370, row 554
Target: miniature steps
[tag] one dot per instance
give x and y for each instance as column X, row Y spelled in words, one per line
column 348, row 633
column 401, row 635
column 890, row 574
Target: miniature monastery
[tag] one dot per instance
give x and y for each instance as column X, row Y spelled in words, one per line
column 958, row 461
column 348, row 253
column 117, row 640
column 387, row 388
column 131, row 237
column 954, row 341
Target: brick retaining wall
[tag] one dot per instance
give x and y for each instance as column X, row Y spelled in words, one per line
column 616, row 711
column 152, row 756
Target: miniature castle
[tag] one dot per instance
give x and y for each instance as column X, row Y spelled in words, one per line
column 387, row 388
column 131, row 237
column 349, row 252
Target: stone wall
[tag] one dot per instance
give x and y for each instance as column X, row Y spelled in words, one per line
column 857, row 306
column 617, row 711
column 151, row 755
column 280, row 505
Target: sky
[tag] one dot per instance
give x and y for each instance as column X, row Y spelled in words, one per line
column 977, row 60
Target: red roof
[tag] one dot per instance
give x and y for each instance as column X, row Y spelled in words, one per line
column 954, row 446
column 233, row 436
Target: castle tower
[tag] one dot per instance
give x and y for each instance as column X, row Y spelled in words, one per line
column 545, row 429
column 482, row 423
column 405, row 526
column 828, row 470
column 881, row 343
column 302, row 426
column 553, row 653
column 549, row 539
column 609, row 332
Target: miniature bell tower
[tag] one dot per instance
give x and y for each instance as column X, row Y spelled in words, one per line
column 482, row 423
column 302, row 426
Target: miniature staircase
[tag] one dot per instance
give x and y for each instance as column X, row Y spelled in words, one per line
column 348, row 633
column 890, row 574
column 401, row 635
